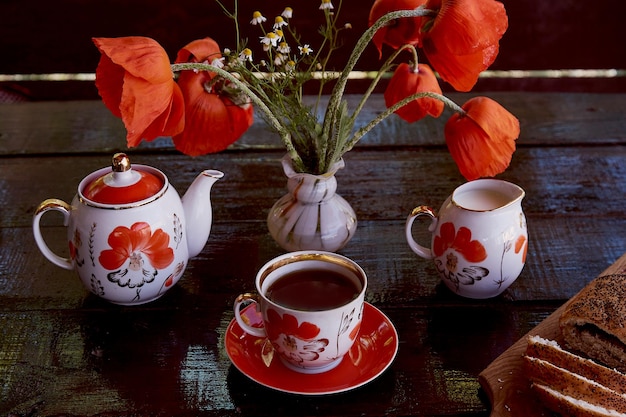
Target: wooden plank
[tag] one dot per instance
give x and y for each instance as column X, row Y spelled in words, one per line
column 35, row 91
column 398, row 276
column 75, row 361
column 561, row 214
column 63, row 351
column 546, row 119
column 404, row 179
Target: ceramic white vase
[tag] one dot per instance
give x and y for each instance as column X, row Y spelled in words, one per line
column 311, row 216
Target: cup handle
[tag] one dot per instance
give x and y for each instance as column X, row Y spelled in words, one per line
column 243, row 323
column 47, row 205
column 418, row 211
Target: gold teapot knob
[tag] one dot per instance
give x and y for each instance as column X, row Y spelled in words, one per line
column 121, row 162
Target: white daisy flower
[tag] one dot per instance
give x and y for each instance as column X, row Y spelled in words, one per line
column 287, row 13
column 218, row 62
column 290, row 65
column 270, row 39
column 245, row 55
column 279, row 22
column 280, row 59
column 326, row 4
column 283, row 48
column 257, row 18
column 305, row 50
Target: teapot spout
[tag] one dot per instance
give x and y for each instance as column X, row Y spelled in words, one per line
column 198, row 212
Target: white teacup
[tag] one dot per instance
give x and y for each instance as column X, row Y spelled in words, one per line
column 479, row 238
column 312, row 306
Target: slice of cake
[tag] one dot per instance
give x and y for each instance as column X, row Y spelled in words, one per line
column 573, row 385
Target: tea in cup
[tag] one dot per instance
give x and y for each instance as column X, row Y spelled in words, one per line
column 479, row 238
column 312, row 306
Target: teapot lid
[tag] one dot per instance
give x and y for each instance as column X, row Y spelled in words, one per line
column 123, row 185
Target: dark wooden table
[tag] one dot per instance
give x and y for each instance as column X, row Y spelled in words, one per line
column 65, row 352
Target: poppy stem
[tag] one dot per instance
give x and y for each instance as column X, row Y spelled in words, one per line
column 390, row 110
column 282, row 131
column 332, row 111
column 341, row 141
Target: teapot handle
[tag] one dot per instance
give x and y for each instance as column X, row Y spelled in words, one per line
column 64, row 208
column 419, row 211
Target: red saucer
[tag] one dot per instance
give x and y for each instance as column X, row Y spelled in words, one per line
column 372, row 353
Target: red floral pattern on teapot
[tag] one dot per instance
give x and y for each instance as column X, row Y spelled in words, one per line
column 135, row 244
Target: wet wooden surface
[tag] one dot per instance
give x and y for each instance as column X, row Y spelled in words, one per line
column 65, row 352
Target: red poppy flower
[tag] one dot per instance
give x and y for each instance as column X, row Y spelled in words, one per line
column 398, row 32
column 133, row 243
column 482, row 141
column 136, row 83
column 212, row 120
column 461, row 241
column 288, row 324
column 462, row 40
column 405, row 82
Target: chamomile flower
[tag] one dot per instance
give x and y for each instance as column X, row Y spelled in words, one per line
column 257, row 18
column 290, row 65
column 218, row 62
column 326, row 4
column 305, row 50
column 279, row 22
column 245, row 55
column 279, row 33
column 280, row 59
column 287, row 13
column 283, row 48
column 270, row 39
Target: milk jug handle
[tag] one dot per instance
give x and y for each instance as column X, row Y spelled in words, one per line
column 419, row 211
column 45, row 206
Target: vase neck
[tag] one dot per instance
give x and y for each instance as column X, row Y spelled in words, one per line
column 291, row 173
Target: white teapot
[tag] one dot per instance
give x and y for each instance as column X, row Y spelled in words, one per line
column 129, row 233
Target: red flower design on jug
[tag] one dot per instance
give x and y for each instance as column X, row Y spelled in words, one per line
column 521, row 244
column 459, row 243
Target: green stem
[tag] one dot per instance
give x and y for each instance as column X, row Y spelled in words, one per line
column 331, row 158
column 390, row 110
column 364, row 40
column 379, row 75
